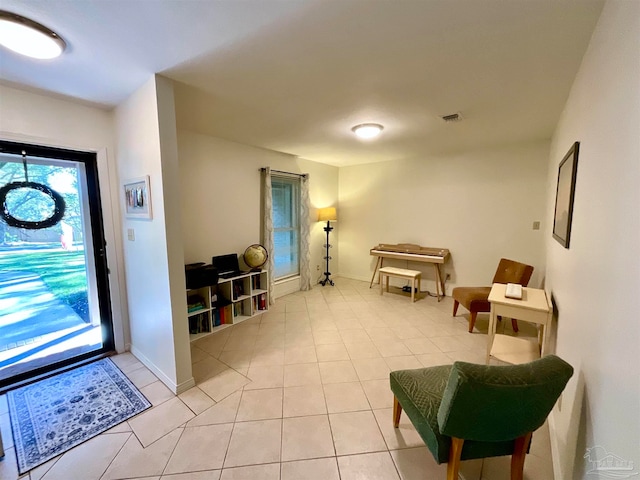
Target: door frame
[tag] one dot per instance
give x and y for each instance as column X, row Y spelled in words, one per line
column 90, row 161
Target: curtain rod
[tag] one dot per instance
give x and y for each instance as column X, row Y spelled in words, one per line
column 303, row 175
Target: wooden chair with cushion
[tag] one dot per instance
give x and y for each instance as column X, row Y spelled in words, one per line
column 465, row 411
column 476, row 299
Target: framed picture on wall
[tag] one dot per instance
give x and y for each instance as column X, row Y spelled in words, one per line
column 137, row 198
column 565, row 191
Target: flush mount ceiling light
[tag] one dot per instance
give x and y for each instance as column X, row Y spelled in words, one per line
column 367, row 130
column 29, row 38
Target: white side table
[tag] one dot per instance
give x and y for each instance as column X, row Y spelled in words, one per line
column 534, row 307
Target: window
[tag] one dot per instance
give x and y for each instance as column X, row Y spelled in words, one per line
column 285, row 192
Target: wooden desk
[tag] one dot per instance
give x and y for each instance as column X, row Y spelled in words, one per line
column 412, row 253
column 534, row 307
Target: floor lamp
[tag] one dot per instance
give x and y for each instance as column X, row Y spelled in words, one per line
column 327, row 215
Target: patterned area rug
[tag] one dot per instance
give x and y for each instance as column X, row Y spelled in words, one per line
column 55, row 414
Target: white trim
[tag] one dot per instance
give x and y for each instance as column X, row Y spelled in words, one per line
column 176, row 389
column 286, row 286
column 555, row 447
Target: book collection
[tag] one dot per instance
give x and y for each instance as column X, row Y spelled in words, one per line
column 227, row 302
column 199, row 323
column 222, row 314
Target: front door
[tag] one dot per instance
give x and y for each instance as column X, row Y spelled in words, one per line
column 54, row 292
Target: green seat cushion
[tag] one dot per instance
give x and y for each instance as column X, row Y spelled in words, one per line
column 420, row 392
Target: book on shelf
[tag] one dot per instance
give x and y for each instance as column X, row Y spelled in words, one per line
column 199, row 323
column 262, row 302
column 195, row 303
column 205, row 325
column 238, row 289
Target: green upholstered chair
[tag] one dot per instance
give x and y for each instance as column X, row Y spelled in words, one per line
column 465, row 411
column 476, row 299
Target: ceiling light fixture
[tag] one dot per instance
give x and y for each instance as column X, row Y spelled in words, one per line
column 367, row 130
column 29, row 38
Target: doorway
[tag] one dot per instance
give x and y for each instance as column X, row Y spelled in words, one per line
column 54, row 291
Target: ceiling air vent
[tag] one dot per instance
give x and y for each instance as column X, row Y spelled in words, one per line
column 454, row 117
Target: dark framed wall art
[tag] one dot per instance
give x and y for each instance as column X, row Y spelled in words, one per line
column 565, row 191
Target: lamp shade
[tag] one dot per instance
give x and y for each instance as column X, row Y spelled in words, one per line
column 328, row 214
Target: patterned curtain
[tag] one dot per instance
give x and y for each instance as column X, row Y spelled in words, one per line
column 305, row 235
column 267, row 231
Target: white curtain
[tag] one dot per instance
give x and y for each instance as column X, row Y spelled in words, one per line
column 267, row 230
column 305, row 235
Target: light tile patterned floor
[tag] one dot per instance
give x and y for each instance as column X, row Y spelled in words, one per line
column 298, row 393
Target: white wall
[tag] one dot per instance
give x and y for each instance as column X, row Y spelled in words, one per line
column 221, row 197
column 45, row 120
column 596, row 282
column 480, row 205
column 146, row 136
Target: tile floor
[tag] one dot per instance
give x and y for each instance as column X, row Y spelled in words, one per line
column 298, row 393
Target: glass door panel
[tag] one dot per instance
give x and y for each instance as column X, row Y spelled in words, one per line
column 54, row 299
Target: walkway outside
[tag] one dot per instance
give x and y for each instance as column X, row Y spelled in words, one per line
column 36, row 327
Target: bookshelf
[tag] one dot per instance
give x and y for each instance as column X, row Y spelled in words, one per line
column 232, row 300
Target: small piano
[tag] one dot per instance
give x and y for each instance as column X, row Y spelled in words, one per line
column 412, row 253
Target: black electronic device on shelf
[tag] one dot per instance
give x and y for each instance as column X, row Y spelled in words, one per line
column 228, row 265
column 199, row 275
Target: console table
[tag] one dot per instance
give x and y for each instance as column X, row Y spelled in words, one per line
column 534, row 307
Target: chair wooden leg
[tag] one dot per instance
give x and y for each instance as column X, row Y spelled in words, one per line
column 518, row 456
column 514, row 324
column 397, row 411
column 472, row 321
column 455, row 307
column 454, row 458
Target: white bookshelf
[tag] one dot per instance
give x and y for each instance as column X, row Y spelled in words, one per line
column 231, row 301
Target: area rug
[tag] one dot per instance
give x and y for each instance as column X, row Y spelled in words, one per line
column 55, row 414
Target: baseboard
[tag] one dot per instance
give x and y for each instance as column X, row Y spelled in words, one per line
column 354, row 277
column 285, row 287
column 171, row 385
column 555, row 448
column 184, row 386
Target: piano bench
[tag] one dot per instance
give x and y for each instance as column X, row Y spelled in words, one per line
column 412, row 275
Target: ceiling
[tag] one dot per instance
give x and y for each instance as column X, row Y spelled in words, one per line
column 295, row 75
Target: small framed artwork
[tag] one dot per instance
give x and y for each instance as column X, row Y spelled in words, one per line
column 137, row 198
column 565, row 191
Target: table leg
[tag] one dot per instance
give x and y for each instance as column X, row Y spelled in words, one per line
column 438, row 283
column 378, row 263
column 545, row 335
column 413, row 289
column 380, row 281
column 540, row 329
column 491, row 333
